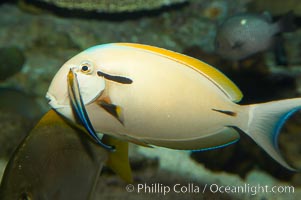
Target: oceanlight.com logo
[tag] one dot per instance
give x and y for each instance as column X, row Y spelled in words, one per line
column 192, row 188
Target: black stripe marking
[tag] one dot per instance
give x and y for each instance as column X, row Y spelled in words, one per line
column 118, row 79
column 112, row 109
column 227, row 112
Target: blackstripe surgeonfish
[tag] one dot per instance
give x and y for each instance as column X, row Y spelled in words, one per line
column 152, row 96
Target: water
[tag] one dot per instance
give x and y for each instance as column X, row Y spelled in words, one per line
column 47, row 36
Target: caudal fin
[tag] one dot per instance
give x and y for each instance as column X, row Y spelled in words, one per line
column 265, row 122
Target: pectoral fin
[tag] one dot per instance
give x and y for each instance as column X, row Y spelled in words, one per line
column 79, row 108
column 114, row 110
column 118, row 160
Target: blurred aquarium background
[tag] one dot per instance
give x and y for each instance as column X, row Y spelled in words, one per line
column 38, row 36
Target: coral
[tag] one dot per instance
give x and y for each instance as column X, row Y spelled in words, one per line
column 111, row 6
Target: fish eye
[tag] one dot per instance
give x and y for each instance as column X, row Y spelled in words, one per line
column 86, row 67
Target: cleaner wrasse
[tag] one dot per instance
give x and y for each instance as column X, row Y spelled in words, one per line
column 152, row 96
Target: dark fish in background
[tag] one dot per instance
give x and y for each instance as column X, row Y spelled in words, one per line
column 57, row 161
column 243, row 35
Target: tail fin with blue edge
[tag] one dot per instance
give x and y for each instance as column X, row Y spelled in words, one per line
column 265, row 122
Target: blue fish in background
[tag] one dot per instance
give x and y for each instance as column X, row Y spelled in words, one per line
column 246, row 34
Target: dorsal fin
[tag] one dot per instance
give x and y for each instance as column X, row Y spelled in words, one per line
column 214, row 75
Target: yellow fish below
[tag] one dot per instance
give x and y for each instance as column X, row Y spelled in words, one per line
column 153, row 96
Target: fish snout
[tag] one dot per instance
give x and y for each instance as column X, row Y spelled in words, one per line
column 63, row 109
column 52, row 101
column 50, row 98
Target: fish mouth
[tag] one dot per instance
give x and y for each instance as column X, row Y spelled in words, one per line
column 80, row 110
column 49, row 97
column 52, row 101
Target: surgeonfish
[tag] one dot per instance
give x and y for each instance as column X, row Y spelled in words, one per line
column 245, row 34
column 56, row 161
column 152, row 96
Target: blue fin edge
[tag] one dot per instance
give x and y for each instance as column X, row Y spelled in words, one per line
column 215, row 147
column 280, row 124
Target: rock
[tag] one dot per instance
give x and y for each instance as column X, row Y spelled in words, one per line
column 178, row 164
column 11, row 61
column 19, row 103
column 289, row 140
column 296, row 180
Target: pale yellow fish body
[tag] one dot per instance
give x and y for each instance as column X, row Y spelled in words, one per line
column 165, row 104
column 173, row 100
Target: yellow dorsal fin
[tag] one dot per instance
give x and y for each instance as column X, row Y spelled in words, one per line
column 214, row 75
